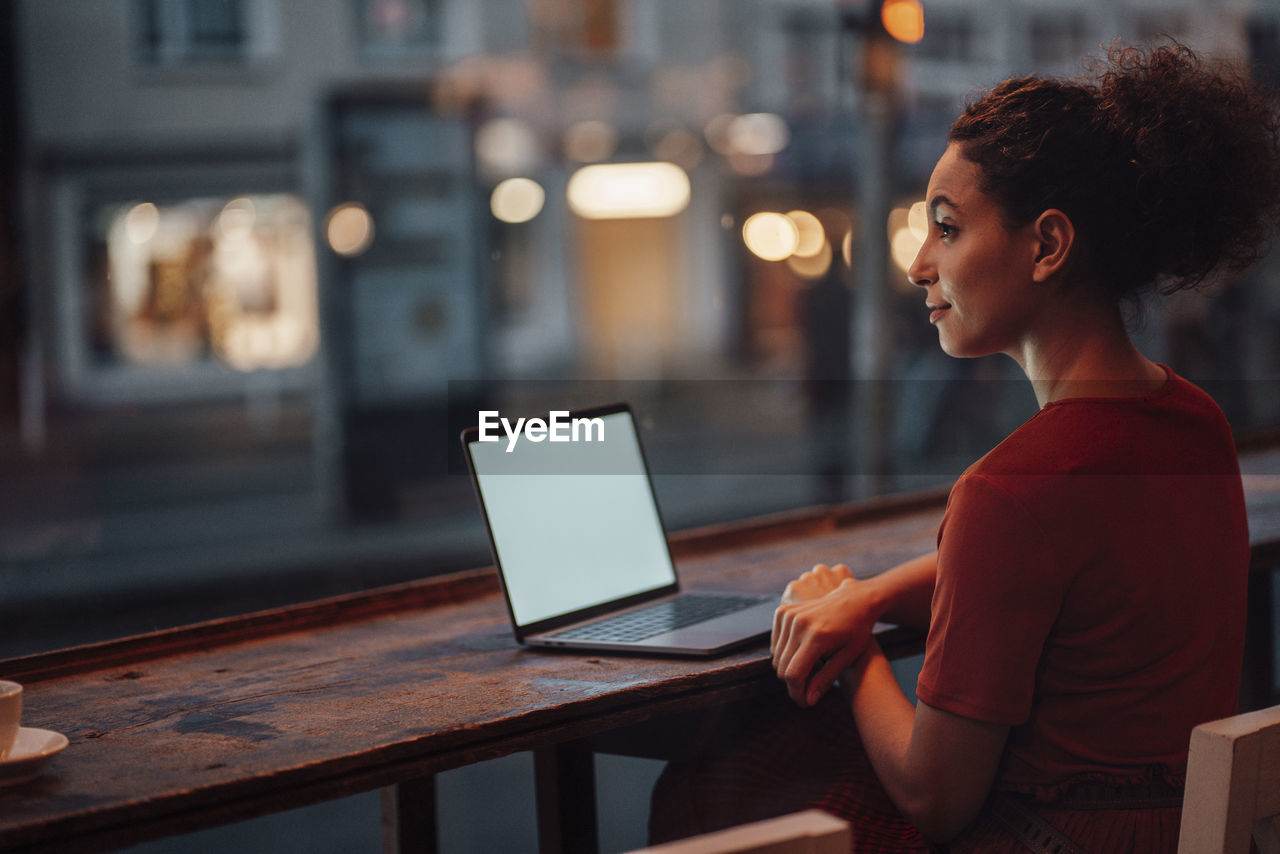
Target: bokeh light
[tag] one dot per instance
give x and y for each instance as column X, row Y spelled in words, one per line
column 812, row 235
column 903, row 19
column 918, row 220
column 771, row 236
column 758, row 134
column 628, row 190
column 506, row 147
column 904, row 247
column 839, row 226
column 517, row 200
column 813, row 266
column 141, row 222
column 349, row 229
column 908, row 228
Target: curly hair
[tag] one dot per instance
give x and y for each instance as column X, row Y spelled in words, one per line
column 1168, row 165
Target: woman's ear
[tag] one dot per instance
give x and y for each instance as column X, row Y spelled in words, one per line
column 1055, row 235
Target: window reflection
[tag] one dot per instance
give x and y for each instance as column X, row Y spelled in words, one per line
column 231, row 280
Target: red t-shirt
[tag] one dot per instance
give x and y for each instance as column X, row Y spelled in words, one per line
column 1092, row 573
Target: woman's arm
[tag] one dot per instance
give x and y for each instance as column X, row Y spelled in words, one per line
column 937, row 767
column 906, row 591
column 827, row 616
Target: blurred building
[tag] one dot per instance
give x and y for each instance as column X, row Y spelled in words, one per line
column 263, row 245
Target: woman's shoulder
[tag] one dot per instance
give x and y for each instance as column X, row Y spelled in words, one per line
column 1176, row 429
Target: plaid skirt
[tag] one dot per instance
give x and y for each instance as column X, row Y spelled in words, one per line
column 768, row 757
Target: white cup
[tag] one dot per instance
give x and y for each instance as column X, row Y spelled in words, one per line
column 10, row 715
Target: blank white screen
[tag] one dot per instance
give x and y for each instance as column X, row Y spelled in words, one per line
column 574, row 523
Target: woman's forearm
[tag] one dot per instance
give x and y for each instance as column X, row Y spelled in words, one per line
column 905, row 591
column 937, row 767
column 885, row 718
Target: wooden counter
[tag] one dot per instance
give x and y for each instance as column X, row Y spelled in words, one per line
column 189, row 728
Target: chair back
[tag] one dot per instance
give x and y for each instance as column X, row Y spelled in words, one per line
column 808, row 832
column 1233, row 786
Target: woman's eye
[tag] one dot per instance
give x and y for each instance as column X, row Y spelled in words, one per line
column 945, row 230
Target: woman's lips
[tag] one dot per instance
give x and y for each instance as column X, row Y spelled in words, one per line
column 937, row 312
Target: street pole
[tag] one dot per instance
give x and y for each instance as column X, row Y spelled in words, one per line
column 871, row 350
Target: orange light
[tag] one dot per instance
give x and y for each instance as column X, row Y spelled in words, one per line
column 903, row 19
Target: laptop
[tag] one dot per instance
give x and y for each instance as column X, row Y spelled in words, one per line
column 579, row 544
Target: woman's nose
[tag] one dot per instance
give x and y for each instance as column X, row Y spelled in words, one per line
column 920, row 272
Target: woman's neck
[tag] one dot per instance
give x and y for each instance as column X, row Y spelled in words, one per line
column 1086, row 353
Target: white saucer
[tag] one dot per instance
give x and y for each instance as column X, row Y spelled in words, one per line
column 33, row 748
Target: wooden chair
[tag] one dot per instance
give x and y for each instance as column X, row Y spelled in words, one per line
column 1232, row 795
column 1233, row 786
column 808, row 832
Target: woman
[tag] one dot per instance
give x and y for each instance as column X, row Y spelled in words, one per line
column 1085, row 606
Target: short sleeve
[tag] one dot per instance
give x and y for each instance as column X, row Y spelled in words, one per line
column 998, row 592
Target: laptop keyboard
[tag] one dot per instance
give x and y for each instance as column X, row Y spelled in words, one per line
column 682, row 611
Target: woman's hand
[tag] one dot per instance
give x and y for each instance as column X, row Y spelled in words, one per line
column 815, row 583
column 821, row 627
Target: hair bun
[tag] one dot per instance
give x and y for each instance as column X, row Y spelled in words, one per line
column 1202, row 145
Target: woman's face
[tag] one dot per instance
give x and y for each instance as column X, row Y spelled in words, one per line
column 977, row 273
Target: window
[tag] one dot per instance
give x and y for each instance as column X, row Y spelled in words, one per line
column 399, row 27
column 228, row 280
column 185, row 279
column 180, row 32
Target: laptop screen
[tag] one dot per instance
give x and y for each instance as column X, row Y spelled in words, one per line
column 574, row 523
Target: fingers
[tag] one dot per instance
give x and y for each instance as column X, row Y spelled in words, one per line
column 783, row 623
column 797, row 647
column 809, row 584
column 796, row 669
column 827, row 578
column 831, row 577
column 780, row 641
column 827, row 673
column 816, row 582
